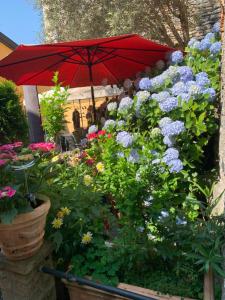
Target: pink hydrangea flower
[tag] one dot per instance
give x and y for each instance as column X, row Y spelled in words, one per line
column 2, row 162
column 7, row 191
column 8, row 155
column 44, row 147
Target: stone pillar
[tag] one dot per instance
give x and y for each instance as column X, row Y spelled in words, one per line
column 36, row 133
column 22, row 280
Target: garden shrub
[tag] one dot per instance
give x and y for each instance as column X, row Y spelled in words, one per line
column 13, row 124
column 149, row 162
column 52, row 105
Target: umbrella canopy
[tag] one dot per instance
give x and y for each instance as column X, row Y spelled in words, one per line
column 84, row 62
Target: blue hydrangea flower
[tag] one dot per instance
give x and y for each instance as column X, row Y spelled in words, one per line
column 210, row 36
column 112, row 106
column 109, row 124
column 169, row 104
column 134, row 156
column 202, row 79
column 173, row 128
column 216, row 27
column 175, row 165
column 120, row 154
column 185, row 73
column 215, row 48
column 92, row 129
column 169, row 140
column 120, row 123
column 143, row 96
column 164, row 121
column 170, row 154
column 171, row 73
column 145, row 83
column 125, row 104
column 205, row 44
column 178, row 88
column 194, row 89
column 196, row 45
column 124, row 138
column 185, row 97
column 211, row 92
column 177, row 57
column 191, row 42
column 161, row 97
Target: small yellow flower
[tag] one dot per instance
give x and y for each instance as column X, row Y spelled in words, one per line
column 88, row 180
column 55, row 158
column 100, row 167
column 86, row 238
column 65, row 211
column 57, row 223
column 60, row 214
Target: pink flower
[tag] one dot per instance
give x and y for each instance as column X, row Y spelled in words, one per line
column 6, row 147
column 2, row 162
column 9, row 147
column 17, row 144
column 8, row 155
column 7, row 191
column 44, row 147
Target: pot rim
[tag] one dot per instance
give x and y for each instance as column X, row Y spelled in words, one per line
column 32, row 215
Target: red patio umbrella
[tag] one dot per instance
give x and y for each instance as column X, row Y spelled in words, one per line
column 82, row 63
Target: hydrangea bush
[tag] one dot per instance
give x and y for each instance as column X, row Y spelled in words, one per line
column 150, row 161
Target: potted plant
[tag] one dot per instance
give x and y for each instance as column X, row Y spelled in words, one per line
column 23, row 207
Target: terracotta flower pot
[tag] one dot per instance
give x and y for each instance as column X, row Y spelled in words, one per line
column 24, row 236
column 83, row 292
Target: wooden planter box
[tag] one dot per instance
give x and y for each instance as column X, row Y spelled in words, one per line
column 83, row 292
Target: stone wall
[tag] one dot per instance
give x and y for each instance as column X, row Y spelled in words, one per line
column 205, row 14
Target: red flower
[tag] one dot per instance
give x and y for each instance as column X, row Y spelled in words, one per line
column 101, row 132
column 92, row 136
column 90, row 162
column 83, row 154
column 109, row 135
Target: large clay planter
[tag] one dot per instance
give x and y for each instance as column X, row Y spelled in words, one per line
column 24, row 236
column 83, row 292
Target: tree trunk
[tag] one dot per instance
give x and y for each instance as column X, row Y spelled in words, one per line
column 208, row 285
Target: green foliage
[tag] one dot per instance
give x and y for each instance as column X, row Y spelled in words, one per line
column 22, row 177
column 52, row 105
column 13, row 125
column 156, row 19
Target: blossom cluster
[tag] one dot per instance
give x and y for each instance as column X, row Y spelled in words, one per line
column 43, row 147
column 7, row 191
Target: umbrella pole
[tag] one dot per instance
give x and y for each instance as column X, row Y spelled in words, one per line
column 92, row 84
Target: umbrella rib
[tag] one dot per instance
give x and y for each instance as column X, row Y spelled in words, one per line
column 35, row 75
column 72, row 60
column 101, row 59
column 31, row 59
column 130, row 59
column 111, row 72
column 82, row 57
